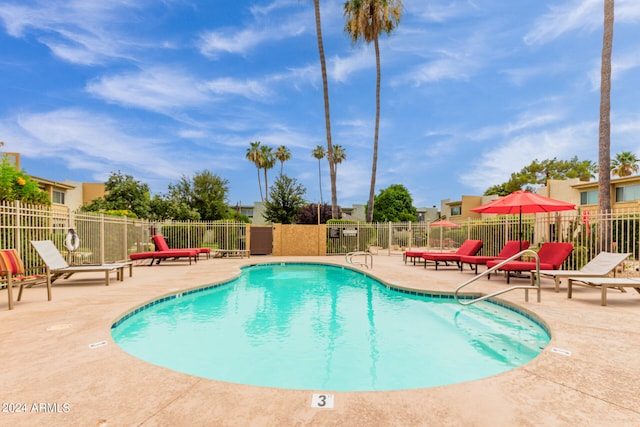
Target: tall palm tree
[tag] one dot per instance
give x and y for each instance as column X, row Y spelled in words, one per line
column 339, row 154
column 368, row 19
column 604, row 139
column 327, row 116
column 254, row 155
column 268, row 161
column 625, row 164
column 282, row 154
column 319, row 153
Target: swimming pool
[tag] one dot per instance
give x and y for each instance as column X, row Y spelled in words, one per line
column 322, row 327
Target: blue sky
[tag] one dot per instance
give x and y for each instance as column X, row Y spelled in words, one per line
column 472, row 90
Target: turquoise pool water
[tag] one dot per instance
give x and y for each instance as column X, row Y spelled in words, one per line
column 320, row 327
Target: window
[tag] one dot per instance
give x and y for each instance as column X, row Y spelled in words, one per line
column 628, row 193
column 57, row 197
column 456, row 210
column 589, row 197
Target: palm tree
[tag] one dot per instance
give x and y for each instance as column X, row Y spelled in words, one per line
column 282, row 154
column 319, row 154
column 367, row 19
column 339, row 154
column 604, row 138
column 327, row 116
column 267, row 161
column 254, row 155
column 625, row 164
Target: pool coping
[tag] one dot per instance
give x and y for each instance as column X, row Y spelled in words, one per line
column 594, row 384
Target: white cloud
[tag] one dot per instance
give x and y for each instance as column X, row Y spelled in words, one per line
column 155, row 89
column 575, row 15
column 496, row 165
column 76, row 31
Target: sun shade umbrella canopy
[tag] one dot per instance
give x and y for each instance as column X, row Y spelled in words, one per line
column 520, row 202
column 444, row 223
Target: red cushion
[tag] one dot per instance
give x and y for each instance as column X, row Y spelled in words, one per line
column 10, row 261
column 172, row 253
column 160, row 242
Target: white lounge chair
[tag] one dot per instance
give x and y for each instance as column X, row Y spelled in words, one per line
column 600, row 266
column 59, row 267
column 603, row 283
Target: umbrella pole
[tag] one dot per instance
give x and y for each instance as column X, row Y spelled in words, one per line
column 520, row 229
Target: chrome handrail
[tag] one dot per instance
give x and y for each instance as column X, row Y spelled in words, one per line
column 497, row 267
column 349, row 258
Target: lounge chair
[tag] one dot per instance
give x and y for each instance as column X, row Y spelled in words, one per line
column 469, row 247
column 12, row 273
column 600, row 266
column 551, row 256
column 510, row 248
column 414, row 255
column 604, row 283
column 161, row 245
column 59, row 267
column 159, row 255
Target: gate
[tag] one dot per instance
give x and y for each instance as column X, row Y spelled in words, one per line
column 261, row 240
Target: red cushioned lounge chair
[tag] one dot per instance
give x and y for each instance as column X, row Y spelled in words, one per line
column 510, row 248
column 469, row 247
column 551, row 255
column 161, row 245
column 159, row 255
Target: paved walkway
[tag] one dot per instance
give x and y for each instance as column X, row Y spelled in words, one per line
column 50, row 372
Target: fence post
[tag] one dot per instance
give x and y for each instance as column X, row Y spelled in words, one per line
column 101, row 238
column 17, row 224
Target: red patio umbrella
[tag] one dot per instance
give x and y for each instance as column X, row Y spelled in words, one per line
column 444, row 223
column 523, row 202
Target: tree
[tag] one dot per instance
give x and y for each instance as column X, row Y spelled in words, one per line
column 539, row 172
column 339, row 154
column 123, row 193
column 319, row 153
column 267, row 161
column 17, row 185
column 287, row 197
column 282, row 154
column 308, row 214
column 206, row 193
column 604, row 135
column 394, row 204
column 163, row 208
column 625, row 164
column 254, row 155
column 327, row 117
column 368, row 19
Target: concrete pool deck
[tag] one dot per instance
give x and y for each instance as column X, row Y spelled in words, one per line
column 60, row 367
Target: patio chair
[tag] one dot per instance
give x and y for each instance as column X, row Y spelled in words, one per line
column 162, row 245
column 469, row 247
column 510, row 248
column 600, row 266
column 59, row 267
column 604, row 283
column 12, row 273
column 158, row 255
column 551, row 256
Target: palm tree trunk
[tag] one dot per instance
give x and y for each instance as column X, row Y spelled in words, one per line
column 320, row 182
column 604, row 140
column 260, row 185
column 327, row 118
column 374, row 166
column 266, row 186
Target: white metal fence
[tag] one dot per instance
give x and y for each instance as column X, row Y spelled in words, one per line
column 106, row 238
